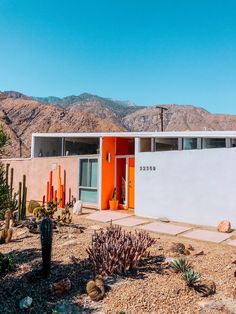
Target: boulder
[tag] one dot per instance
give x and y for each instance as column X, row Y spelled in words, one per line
column 77, row 209
column 164, row 219
column 178, row 248
column 224, row 226
column 25, row 303
column 61, row 286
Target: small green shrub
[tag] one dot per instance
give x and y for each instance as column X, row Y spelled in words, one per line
column 6, row 263
column 32, row 205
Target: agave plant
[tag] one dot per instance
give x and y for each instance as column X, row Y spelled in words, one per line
column 180, row 265
column 191, row 277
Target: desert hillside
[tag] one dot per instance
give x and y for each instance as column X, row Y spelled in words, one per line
column 22, row 115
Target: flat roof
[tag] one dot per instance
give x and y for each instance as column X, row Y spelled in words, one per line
column 218, row 134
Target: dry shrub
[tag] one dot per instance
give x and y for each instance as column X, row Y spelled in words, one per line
column 115, row 251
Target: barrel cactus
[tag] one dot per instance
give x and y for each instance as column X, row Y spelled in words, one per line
column 46, row 243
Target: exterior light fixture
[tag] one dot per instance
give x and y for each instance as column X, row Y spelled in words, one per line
column 108, row 157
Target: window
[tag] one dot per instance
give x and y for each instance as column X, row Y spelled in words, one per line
column 81, row 146
column 165, row 144
column 88, row 180
column 233, row 142
column 47, row 146
column 146, row 144
column 214, row 142
column 189, row 143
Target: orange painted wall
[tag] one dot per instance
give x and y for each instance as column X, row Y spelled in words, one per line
column 108, row 170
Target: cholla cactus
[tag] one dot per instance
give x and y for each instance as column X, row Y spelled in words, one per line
column 191, row 277
column 116, row 251
column 180, row 265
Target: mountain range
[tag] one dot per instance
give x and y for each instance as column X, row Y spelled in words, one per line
column 21, row 115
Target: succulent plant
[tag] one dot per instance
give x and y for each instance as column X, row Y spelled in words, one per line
column 191, row 277
column 46, row 243
column 180, row 265
column 95, row 288
column 47, row 210
column 117, row 251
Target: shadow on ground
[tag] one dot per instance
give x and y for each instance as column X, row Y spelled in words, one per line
column 19, row 284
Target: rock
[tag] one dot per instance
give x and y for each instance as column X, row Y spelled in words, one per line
column 95, row 227
column 197, row 253
column 70, row 242
column 178, row 248
column 234, row 294
column 169, row 260
column 210, row 304
column 189, row 247
column 164, row 219
column 61, row 286
column 77, row 209
column 224, row 226
column 187, row 252
column 228, row 267
column 25, row 303
column 233, row 237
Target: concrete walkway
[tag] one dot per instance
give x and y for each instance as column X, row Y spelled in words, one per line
column 125, row 219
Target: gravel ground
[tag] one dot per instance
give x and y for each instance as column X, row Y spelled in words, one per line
column 153, row 288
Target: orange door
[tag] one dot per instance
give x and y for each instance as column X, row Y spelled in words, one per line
column 131, row 178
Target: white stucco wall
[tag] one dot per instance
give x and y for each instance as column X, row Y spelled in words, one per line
column 197, row 186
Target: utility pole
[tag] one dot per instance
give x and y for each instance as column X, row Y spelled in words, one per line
column 20, row 144
column 162, row 116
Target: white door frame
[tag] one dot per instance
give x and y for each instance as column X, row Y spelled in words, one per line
column 126, row 157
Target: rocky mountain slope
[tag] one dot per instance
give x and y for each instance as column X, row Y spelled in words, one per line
column 22, row 115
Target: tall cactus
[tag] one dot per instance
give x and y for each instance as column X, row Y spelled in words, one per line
column 11, row 182
column 22, row 199
column 24, row 191
column 46, row 243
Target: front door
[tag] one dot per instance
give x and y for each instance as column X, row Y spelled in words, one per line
column 131, row 178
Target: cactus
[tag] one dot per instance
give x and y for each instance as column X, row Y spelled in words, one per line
column 118, row 251
column 7, row 172
column 7, row 232
column 11, row 183
column 22, row 199
column 46, row 243
column 95, row 289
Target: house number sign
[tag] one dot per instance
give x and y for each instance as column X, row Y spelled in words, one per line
column 147, row 168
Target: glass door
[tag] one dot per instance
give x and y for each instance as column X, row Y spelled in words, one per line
column 88, row 180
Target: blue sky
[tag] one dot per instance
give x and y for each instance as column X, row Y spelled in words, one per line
column 150, row 52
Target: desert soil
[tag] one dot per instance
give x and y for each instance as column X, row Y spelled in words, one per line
column 153, row 288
